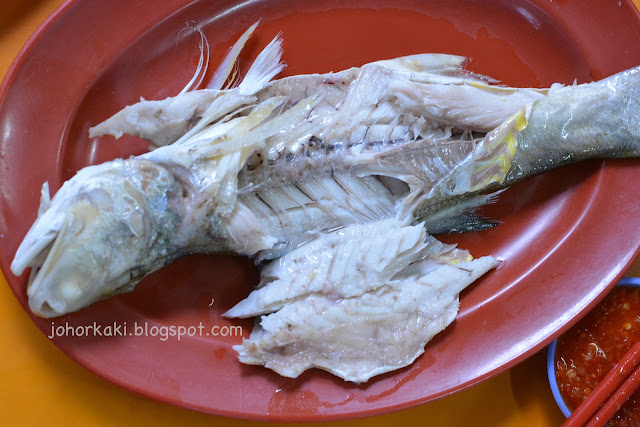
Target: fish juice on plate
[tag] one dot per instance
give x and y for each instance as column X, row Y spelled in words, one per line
column 589, row 350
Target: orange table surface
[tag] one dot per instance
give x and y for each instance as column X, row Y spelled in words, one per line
column 41, row 385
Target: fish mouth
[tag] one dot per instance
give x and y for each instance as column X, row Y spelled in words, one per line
column 34, row 257
column 41, row 250
column 35, row 247
column 65, row 274
column 63, row 267
column 35, row 252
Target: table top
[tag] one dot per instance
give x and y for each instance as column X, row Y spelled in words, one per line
column 41, row 385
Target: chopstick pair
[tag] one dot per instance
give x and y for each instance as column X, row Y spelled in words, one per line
column 612, row 392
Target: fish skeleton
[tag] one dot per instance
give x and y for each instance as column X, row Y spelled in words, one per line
column 334, row 182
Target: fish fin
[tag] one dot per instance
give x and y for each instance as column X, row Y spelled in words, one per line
column 457, row 214
column 487, row 165
column 203, row 63
column 492, row 157
column 421, row 66
column 266, row 66
column 226, row 66
column 471, row 105
column 172, row 120
column 45, row 199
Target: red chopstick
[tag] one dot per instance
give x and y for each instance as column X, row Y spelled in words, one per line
column 609, row 388
column 616, row 401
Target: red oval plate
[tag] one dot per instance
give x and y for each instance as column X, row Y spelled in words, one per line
column 567, row 236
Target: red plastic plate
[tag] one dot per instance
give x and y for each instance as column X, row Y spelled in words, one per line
column 565, row 239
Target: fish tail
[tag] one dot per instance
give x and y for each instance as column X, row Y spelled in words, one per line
column 571, row 124
column 574, row 123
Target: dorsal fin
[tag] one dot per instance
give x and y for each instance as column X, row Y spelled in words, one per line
column 266, row 66
column 224, row 69
column 203, row 63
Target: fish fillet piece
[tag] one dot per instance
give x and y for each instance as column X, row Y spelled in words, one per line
column 356, row 302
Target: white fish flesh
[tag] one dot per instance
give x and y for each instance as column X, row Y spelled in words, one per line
column 278, row 170
column 357, row 302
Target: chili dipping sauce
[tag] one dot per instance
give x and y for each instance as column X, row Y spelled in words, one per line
column 588, row 351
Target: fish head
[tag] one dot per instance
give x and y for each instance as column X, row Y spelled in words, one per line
column 89, row 243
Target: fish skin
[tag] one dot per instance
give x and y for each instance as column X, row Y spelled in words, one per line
column 593, row 120
column 312, row 147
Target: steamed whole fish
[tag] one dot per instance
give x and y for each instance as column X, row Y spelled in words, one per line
column 316, row 172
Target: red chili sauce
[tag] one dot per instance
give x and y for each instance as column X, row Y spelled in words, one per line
column 588, row 351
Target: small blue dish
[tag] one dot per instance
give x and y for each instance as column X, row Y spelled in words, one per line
column 551, row 353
